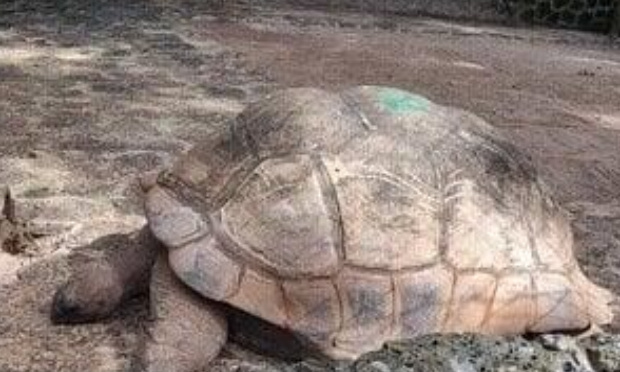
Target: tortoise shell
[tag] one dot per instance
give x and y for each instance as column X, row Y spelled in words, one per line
column 372, row 214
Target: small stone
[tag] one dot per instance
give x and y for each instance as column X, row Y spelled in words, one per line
column 458, row 365
column 378, row 366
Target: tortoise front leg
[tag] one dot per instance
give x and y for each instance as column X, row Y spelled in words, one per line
column 187, row 331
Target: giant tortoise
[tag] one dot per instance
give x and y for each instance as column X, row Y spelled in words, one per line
column 347, row 218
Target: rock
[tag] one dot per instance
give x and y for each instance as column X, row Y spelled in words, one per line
column 14, row 235
column 378, row 366
column 473, row 353
column 468, row 353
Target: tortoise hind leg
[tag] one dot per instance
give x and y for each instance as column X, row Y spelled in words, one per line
column 570, row 303
column 186, row 331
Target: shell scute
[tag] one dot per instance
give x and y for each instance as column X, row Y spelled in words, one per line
column 386, row 224
column 205, row 268
column 282, row 218
column 172, row 222
column 367, row 309
column 313, row 308
column 421, row 300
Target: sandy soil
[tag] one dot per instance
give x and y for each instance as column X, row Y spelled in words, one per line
column 95, row 94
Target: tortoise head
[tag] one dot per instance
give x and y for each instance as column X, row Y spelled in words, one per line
column 90, row 294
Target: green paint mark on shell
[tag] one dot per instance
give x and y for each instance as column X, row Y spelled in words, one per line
column 400, row 102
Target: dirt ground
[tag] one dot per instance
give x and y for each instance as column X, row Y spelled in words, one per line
column 94, row 93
